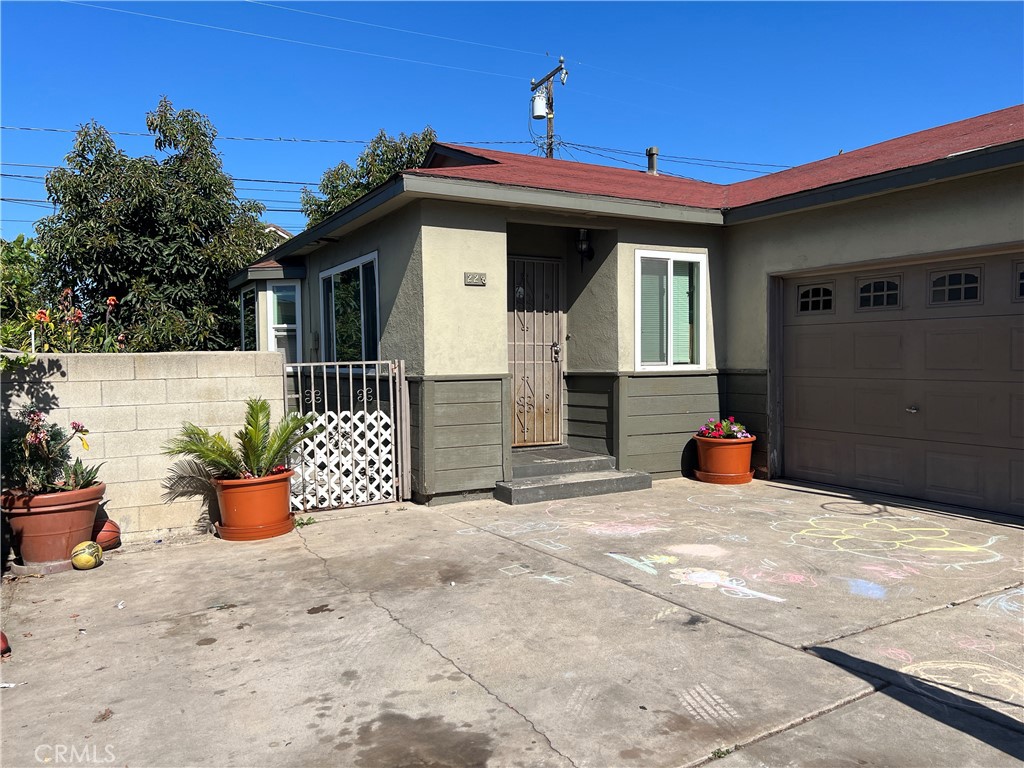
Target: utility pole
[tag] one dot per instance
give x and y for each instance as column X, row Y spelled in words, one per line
column 550, row 100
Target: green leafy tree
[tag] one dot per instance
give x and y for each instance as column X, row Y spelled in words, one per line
column 160, row 236
column 19, row 295
column 383, row 157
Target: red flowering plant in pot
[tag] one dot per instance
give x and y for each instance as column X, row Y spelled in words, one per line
column 49, row 500
column 252, row 482
column 723, row 452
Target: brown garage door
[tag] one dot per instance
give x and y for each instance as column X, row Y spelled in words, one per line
column 909, row 380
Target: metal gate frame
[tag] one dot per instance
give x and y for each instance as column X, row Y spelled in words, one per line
column 363, row 456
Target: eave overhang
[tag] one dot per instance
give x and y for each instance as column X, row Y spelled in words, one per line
column 961, row 164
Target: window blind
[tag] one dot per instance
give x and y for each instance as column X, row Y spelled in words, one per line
column 653, row 311
column 682, row 312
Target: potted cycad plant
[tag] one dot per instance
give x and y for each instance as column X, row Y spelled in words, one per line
column 723, row 452
column 252, row 481
column 49, row 500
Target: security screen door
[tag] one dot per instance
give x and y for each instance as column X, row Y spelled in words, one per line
column 535, row 334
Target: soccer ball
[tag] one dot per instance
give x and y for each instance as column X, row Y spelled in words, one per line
column 86, row 555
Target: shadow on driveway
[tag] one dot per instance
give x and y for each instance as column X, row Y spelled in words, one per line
column 952, row 706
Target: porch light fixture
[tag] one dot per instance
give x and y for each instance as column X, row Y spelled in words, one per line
column 583, row 246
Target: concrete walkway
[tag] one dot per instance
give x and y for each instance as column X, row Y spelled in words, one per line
column 750, row 625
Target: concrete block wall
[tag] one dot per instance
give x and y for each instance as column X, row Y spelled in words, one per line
column 132, row 404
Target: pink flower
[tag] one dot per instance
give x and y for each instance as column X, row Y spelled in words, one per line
column 111, row 301
column 77, row 426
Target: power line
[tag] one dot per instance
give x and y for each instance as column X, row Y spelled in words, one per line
column 233, row 178
column 293, row 42
column 288, row 139
column 398, row 29
column 148, row 134
column 682, row 160
column 48, row 204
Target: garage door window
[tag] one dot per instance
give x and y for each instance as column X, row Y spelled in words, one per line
column 815, row 298
column 960, row 286
column 879, row 292
column 669, row 302
column 1018, row 283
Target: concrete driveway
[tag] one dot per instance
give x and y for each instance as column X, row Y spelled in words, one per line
column 666, row 627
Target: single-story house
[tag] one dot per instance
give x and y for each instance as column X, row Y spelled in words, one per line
column 862, row 314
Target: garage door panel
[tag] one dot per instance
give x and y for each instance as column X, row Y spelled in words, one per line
column 878, row 351
column 956, row 475
column 881, row 467
column 846, row 405
column 1017, row 483
column 982, row 477
column 1016, row 425
column 878, row 407
column 959, row 350
column 977, row 349
column 958, row 412
column 815, row 403
column 814, row 350
column 924, row 399
column 811, row 456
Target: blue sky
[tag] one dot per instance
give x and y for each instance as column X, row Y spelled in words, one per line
column 773, row 83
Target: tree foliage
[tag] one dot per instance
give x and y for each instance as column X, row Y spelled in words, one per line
column 160, row 236
column 19, row 297
column 383, row 157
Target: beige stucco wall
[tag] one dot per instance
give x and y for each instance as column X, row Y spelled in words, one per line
column 965, row 213
column 396, row 239
column 464, row 327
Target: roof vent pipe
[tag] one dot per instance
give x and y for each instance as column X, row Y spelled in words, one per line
column 652, row 161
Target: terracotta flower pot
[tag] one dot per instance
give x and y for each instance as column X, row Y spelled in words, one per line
column 47, row 526
column 725, row 461
column 258, row 508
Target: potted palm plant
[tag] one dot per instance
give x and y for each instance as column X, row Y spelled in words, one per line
column 49, row 500
column 252, row 481
column 723, row 452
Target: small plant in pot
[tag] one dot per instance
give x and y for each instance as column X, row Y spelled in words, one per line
column 49, row 500
column 251, row 481
column 723, row 452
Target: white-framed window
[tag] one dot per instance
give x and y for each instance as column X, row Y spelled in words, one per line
column 671, row 297
column 348, row 308
column 284, row 318
column 247, row 313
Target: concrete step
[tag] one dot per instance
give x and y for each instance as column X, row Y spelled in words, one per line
column 540, row 467
column 528, row 490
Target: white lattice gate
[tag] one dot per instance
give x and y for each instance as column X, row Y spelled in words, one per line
column 362, row 455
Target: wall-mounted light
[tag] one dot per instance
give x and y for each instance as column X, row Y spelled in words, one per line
column 583, row 246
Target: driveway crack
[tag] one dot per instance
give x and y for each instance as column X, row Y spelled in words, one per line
column 380, row 606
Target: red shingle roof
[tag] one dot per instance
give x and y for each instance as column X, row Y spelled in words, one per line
column 507, row 168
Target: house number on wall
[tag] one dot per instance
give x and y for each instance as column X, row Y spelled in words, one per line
column 475, row 278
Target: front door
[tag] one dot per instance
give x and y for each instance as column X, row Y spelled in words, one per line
column 535, row 335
